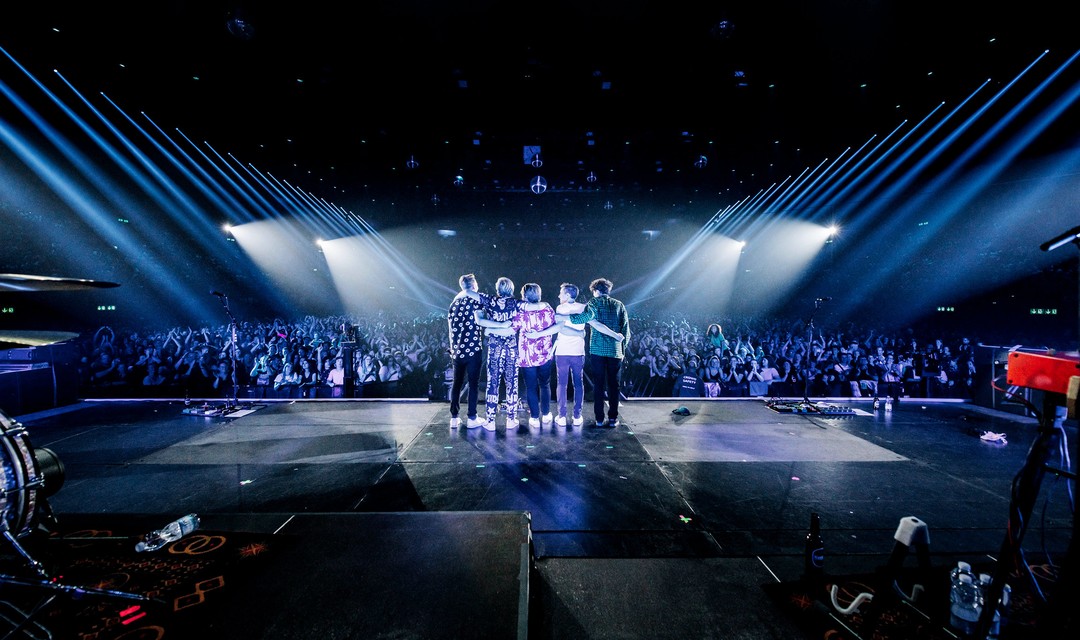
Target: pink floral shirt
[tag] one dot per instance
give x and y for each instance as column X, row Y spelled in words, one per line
column 535, row 352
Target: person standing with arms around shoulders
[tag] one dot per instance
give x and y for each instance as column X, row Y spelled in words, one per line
column 534, row 354
column 502, row 348
column 466, row 350
column 607, row 353
column 570, row 351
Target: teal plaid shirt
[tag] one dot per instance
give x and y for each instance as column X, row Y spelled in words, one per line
column 612, row 313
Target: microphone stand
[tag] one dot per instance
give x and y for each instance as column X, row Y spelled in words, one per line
column 810, row 350
column 231, row 404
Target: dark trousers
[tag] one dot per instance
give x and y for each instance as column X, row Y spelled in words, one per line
column 605, row 379
column 538, row 389
column 463, row 367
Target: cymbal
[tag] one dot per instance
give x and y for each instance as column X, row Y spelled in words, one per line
column 11, row 339
column 22, row 282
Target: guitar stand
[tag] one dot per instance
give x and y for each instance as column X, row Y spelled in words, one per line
column 911, row 533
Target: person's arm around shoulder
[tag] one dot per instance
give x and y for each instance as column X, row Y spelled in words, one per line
column 481, row 319
column 552, row 330
column 604, row 329
column 475, row 295
column 586, row 314
column 562, row 323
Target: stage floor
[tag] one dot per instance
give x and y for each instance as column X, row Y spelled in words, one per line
column 665, row 527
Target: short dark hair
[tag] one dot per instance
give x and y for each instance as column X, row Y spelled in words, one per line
column 570, row 289
column 601, row 285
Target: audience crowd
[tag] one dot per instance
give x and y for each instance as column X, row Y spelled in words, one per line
column 380, row 356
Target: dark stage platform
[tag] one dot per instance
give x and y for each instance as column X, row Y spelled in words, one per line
column 379, row 521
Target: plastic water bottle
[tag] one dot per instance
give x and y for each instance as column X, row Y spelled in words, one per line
column 888, row 405
column 965, row 599
column 173, row 531
column 877, row 404
column 995, row 627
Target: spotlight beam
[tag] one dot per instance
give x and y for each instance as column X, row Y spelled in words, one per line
column 838, row 190
column 209, row 186
column 239, row 185
column 949, row 207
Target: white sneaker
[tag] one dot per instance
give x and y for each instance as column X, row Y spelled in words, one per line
column 534, row 422
column 455, row 422
column 546, row 418
column 476, row 422
column 578, row 421
column 489, row 425
column 560, row 421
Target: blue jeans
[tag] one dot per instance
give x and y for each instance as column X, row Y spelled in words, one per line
column 567, row 367
column 538, row 389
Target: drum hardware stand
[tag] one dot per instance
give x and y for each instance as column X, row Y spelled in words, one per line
column 27, row 478
column 45, row 581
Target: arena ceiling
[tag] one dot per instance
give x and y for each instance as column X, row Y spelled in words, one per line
column 635, row 113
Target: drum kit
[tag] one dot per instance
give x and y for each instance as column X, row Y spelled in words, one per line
column 29, row 475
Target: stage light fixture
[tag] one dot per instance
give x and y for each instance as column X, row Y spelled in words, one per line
column 239, row 26
column 722, row 30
